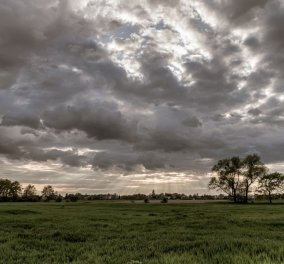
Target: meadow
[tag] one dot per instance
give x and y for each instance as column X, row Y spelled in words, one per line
column 134, row 233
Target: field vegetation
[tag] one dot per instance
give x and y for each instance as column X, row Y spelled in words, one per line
column 104, row 232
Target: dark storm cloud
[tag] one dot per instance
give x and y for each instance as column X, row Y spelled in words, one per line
column 128, row 161
column 214, row 85
column 28, row 120
column 160, row 86
column 237, row 11
column 164, row 2
column 101, row 120
column 24, row 145
column 29, row 29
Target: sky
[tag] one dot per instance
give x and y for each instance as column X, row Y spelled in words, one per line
column 128, row 96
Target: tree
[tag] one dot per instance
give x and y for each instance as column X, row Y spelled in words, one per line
column 146, row 200
column 164, row 200
column 271, row 182
column 254, row 169
column 29, row 192
column 59, row 198
column 228, row 176
column 15, row 190
column 5, row 185
column 71, row 197
column 153, row 195
column 48, row 193
column 9, row 190
column 235, row 176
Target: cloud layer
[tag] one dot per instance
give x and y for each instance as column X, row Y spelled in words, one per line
column 131, row 96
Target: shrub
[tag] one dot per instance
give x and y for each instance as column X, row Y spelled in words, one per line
column 146, row 200
column 58, row 199
column 164, row 200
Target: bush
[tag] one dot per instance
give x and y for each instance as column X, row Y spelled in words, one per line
column 146, row 200
column 58, row 199
column 71, row 198
column 164, row 200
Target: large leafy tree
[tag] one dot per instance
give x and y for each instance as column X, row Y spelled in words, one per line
column 48, row 193
column 236, row 177
column 228, row 177
column 10, row 189
column 253, row 169
column 29, row 191
column 15, row 189
column 5, row 185
column 270, row 183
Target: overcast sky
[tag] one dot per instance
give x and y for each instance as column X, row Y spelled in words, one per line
column 126, row 96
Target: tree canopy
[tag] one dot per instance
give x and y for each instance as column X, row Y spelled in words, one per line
column 9, row 189
column 270, row 183
column 48, row 192
column 236, row 177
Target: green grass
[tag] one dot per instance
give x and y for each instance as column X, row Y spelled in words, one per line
column 124, row 233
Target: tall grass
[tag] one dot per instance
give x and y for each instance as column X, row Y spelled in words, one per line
column 105, row 232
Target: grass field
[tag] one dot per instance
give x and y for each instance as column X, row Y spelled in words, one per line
column 124, row 233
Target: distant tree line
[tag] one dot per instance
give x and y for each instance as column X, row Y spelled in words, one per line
column 12, row 191
column 239, row 178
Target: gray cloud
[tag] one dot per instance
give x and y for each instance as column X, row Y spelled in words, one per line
column 238, row 12
column 110, row 88
column 101, row 120
column 36, row 30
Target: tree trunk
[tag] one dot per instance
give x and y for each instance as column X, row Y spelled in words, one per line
column 269, row 197
column 234, row 195
column 246, row 195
